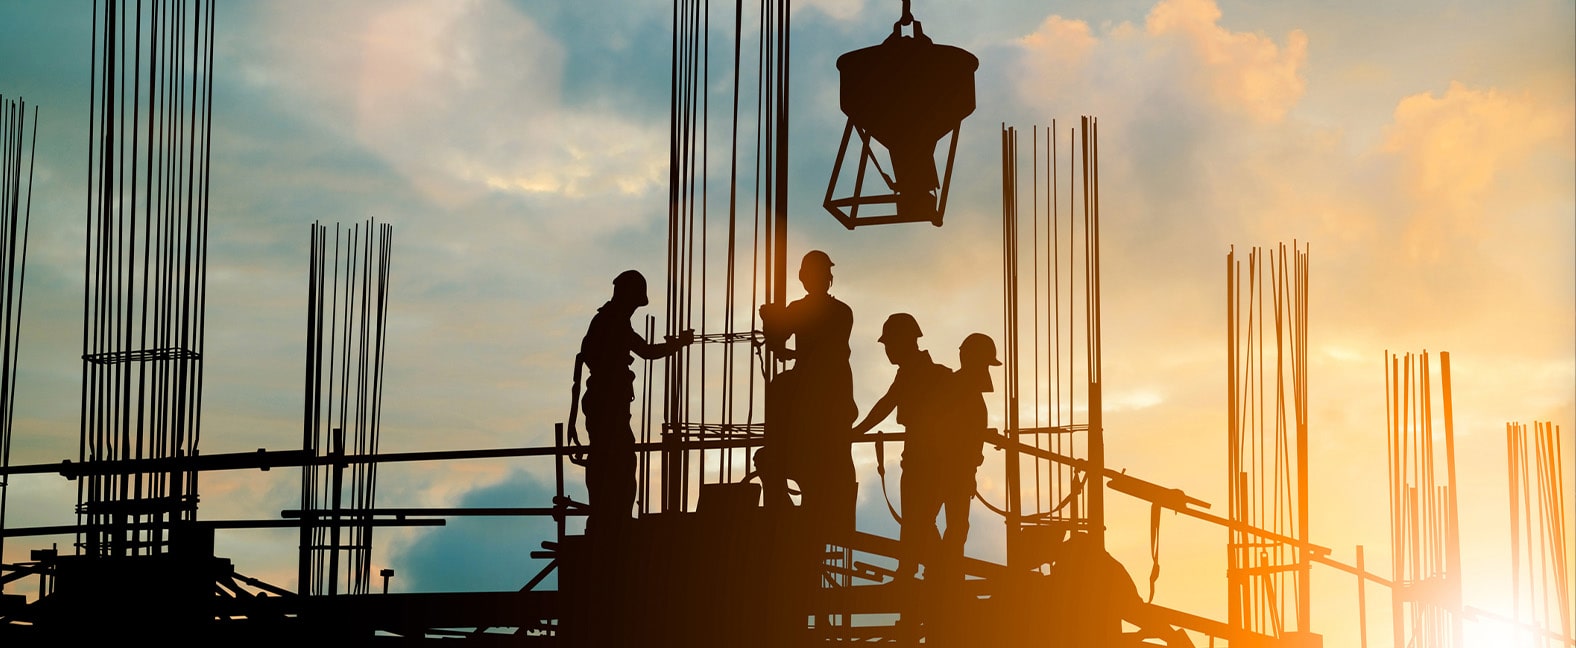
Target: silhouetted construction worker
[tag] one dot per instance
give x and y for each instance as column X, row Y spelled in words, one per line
column 962, row 451
column 919, row 394
column 964, row 444
column 605, row 350
column 812, row 407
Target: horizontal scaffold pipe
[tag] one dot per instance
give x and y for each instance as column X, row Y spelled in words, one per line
column 266, row 459
column 68, row 529
column 435, row 512
column 1180, row 502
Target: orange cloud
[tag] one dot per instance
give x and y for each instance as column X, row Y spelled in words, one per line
column 1060, row 47
column 1454, row 149
column 1182, row 43
column 1246, row 72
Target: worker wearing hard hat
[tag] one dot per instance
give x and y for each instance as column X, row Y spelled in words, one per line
column 964, row 443
column 919, row 395
column 811, row 407
column 605, row 350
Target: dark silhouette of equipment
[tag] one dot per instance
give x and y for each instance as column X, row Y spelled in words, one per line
column 905, row 93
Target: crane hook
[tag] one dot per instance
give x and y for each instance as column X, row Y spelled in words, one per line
column 907, row 19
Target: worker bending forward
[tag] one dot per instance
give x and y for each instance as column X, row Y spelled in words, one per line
column 606, row 351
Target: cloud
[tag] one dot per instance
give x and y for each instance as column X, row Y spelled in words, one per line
column 1452, row 148
column 1062, row 45
column 461, row 99
column 1243, row 71
column 836, row 9
column 480, row 553
column 1181, row 53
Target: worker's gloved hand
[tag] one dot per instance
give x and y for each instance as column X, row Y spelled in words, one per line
column 687, row 337
column 771, row 313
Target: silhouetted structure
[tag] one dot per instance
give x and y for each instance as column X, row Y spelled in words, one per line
column 905, row 94
column 347, row 317
column 1267, row 457
column 1541, row 588
column 703, row 563
column 146, row 274
column 1424, row 533
column 17, row 148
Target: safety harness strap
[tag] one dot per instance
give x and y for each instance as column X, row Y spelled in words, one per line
column 578, row 458
column 881, row 470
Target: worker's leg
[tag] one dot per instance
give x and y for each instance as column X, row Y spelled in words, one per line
column 842, row 491
column 826, row 478
column 610, row 473
column 781, row 433
column 958, row 498
column 917, row 535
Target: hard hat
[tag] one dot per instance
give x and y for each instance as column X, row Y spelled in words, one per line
column 978, row 346
column 630, row 286
column 900, row 326
column 815, row 260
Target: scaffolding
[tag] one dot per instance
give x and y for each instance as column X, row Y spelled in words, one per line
column 700, row 565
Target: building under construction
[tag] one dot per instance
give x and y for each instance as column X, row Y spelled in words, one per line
column 707, row 559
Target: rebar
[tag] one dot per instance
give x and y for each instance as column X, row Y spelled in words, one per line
column 16, row 202
column 146, row 260
column 347, row 320
column 1267, row 443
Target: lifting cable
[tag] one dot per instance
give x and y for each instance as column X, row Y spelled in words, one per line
column 1072, row 496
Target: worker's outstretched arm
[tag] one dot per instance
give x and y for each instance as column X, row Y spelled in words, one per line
column 665, row 348
column 878, row 413
column 776, row 323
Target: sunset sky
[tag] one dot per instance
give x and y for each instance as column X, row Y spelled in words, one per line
column 1424, row 151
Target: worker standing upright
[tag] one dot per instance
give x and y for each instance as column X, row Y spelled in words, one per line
column 605, row 350
column 919, row 395
column 964, row 445
column 811, row 406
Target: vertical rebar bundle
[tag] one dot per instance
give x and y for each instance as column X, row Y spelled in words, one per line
column 1267, row 452
column 347, row 316
column 1062, row 410
column 1424, row 537
column 1538, row 531
column 147, row 233
column 16, row 201
column 727, row 250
